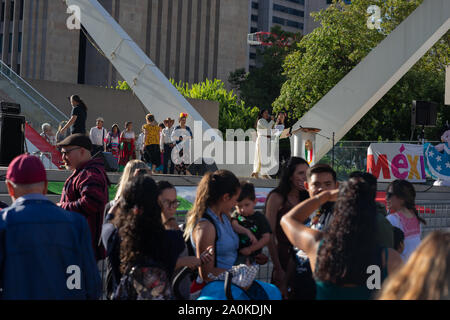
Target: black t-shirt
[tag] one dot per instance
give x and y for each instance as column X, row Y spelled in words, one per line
column 80, row 124
column 256, row 223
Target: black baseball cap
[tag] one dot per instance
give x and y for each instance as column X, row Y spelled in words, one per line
column 78, row 139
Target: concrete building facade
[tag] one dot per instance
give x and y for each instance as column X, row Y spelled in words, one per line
column 189, row 40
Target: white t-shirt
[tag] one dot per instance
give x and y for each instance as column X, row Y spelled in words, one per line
column 412, row 230
column 97, row 135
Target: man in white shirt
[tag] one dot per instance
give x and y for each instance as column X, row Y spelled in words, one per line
column 97, row 136
column 167, row 145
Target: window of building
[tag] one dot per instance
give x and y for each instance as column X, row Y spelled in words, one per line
column 255, row 5
column 19, row 48
column 294, row 24
column 1, row 43
column 252, row 56
column 278, row 20
column 297, row 1
column 12, row 11
column 253, row 30
column 21, row 9
column 2, row 18
column 10, row 42
column 294, row 12
column 254, row 18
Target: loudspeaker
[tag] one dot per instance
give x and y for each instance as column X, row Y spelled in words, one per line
column 9, row 107
column 12, row 137
column 111, row 164
column 201, row 169
column 423, row 113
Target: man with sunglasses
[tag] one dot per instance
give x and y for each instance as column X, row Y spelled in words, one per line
column 86, row 190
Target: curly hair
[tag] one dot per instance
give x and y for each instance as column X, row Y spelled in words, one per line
column 139, row 222
column 348, row 245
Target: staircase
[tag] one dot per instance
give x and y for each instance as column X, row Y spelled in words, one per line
column 36, row 109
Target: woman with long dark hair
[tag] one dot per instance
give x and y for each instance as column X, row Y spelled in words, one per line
column 290, row 192
column 400, row 202
column 127, row 145
column 340, row 257
column 77, row 122
column 142, row 233
column 217, row 195
column 113, row 141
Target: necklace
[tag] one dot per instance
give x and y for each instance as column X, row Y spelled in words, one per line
column 315, row 219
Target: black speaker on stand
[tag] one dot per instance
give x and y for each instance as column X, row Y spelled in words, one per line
column 12, row 132
column 424, row 114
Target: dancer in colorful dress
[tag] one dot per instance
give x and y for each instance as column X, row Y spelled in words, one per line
column 113, row 142
column 127, row 146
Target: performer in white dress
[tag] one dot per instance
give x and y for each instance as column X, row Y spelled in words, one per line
column 264, row 128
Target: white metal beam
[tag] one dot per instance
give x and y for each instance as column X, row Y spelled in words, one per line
column 343, row 106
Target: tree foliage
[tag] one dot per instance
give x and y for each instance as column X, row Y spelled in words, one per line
column 233, row 114
column 261, row 85
column 322, row 58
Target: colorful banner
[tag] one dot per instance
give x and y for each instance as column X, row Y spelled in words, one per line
column 391, row 161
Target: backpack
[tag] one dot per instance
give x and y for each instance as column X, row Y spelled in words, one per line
column 146, row 281
column 189, row 246
column 113, row 274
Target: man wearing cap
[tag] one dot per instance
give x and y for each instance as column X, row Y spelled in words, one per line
column 97, row 136
column 167, row 145
column 86, row 190
column 45, row 251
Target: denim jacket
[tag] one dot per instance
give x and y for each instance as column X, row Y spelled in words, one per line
column 45, row 253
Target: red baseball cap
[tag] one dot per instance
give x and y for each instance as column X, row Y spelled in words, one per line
column 26, row 169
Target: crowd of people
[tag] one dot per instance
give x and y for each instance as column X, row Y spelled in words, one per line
column 154, row 144
column 323, row 236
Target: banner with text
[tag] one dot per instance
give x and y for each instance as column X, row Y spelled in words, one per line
column 391, row 161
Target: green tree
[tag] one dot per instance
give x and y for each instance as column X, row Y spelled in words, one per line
column 326, row 55
column 233, row 114
column 261, row 86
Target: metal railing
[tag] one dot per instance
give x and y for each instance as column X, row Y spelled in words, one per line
column 351, row 156
column 34, row 96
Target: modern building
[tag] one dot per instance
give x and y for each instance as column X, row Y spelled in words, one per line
column 291, row 15
column 189, row 40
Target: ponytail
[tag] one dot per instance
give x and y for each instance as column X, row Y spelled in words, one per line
column 210, row 189
column 200, row 205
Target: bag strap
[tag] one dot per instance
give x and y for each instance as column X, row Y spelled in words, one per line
column 210, row 219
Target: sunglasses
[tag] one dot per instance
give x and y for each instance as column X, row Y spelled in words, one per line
column 173, row 204
column 65, row 153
